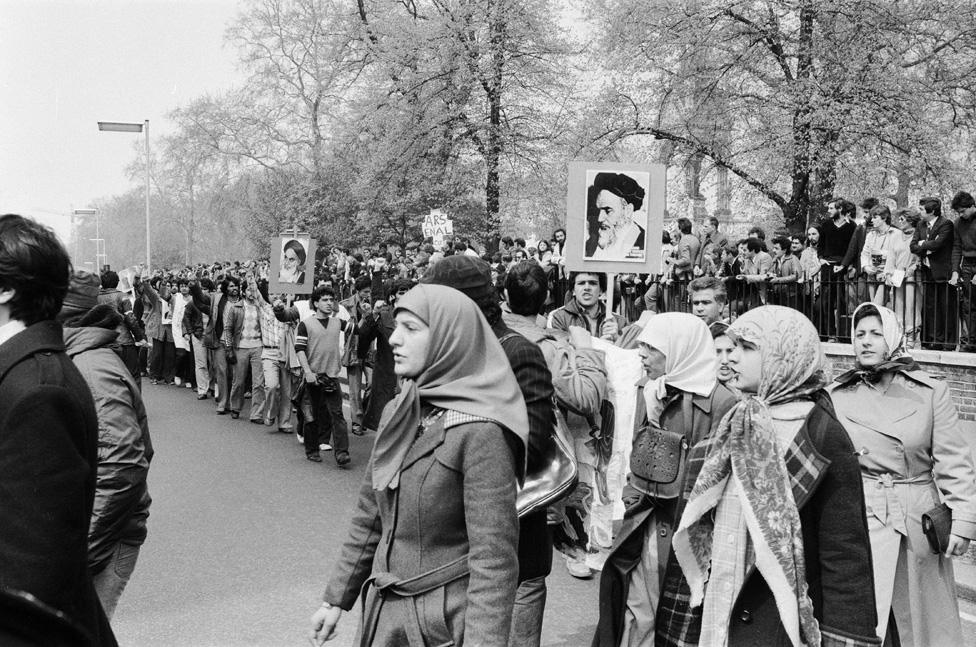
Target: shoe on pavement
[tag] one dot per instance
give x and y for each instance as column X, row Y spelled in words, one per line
column 342, row 459
column 325, row 447
column 315, row 457
column 257, row 421
column 201, row 396
column 578, row 569
column 235, row 415
column 300, row 438
column 356, row 430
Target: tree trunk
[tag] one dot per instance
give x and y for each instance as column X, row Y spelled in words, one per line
column 496, row 26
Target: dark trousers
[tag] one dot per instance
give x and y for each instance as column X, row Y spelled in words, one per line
column 833, row 301
column 329, row 422
column 966, row 310
column 940, row 312
column 162, row 360
column 130, row 357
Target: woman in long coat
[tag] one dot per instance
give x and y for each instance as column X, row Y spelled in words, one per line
column 772, row 548
column 433, row 543
column 913, row 453
column 679, row 393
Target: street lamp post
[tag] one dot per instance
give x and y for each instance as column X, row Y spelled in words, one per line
column 130, row 127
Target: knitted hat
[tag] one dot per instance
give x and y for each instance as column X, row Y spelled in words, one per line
column 82, row 294
column 469, row 274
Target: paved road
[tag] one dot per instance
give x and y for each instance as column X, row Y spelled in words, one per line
column 243, row 530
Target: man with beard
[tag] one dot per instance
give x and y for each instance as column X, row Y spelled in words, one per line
column 586, row 310
column 614, row 233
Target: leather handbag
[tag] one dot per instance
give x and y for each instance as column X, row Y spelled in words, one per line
column 658, row 457
column 556, row 478
column 937, row 524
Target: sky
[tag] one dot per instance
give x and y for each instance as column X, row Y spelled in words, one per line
column 66, row 65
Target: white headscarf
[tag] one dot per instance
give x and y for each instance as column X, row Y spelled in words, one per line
column 689, row 353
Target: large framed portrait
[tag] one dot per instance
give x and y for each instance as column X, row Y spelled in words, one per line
column 292, row 265
column 614, row 217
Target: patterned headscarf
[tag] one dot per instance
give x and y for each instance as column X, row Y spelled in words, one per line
column 744, row 453
column 689, row 354
column 465, row 370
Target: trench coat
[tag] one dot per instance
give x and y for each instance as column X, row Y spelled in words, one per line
column 456, row 497
column 912, row 451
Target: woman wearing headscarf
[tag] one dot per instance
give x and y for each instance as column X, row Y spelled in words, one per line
column 679, row 393
column 771, row 548
column 913, row 454
column 433, row 543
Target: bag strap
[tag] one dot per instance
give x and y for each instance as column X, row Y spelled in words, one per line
column 509, row 335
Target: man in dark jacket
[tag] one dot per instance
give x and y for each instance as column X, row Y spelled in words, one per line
column 48, row 434
column 130, row 330
column 118, row 524
column 472, row 276
column 933, row 242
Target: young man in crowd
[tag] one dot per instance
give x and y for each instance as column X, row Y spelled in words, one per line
column 835, row 238
column 933, row 242
column 712, row 240
column 243, row 343
column 130, row 330
column 320, row 353
column 358, row 306
column 48, row 442
column 964, row 263
column 586, row 310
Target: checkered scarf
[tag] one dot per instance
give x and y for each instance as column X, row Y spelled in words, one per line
column 744, row 453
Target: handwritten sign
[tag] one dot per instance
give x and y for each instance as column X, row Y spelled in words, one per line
column 437, row 225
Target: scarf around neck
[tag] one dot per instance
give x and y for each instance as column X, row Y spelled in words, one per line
column 465, row 370
column 744, row 453
column 897, row 359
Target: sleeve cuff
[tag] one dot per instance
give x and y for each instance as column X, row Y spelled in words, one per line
column 963, row 528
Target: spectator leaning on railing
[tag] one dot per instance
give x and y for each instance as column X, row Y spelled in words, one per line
column 964, row 264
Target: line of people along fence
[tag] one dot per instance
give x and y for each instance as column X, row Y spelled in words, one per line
column 935, row 314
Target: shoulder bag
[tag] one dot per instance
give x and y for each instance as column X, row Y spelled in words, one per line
column 558, row 474
column 657, row 460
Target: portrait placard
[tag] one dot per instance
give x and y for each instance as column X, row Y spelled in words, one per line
column 614, row 217
column 292, row 265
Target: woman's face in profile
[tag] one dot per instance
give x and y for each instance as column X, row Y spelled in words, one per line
column 745, row 360
column 653, row 361
column 410, row 341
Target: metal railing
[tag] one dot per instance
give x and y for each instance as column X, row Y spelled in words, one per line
column 934, row 314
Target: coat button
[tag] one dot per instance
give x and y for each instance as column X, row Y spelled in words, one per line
column 746, row 617
column 663, row 531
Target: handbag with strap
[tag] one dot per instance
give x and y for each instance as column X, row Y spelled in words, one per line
column 557, row 474
column 658, row 457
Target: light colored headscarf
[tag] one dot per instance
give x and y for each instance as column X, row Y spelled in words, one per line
column 896, row 359
column 689, row 353
column 465, row 370
column 744, row 451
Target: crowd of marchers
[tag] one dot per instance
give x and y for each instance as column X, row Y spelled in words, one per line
column 730, row 491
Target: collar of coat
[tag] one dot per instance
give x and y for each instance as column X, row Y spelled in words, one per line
column 43, row 336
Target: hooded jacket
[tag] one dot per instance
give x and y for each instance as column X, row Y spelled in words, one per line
column 124, row 446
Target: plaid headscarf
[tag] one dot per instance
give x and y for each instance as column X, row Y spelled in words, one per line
column 745, row 453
